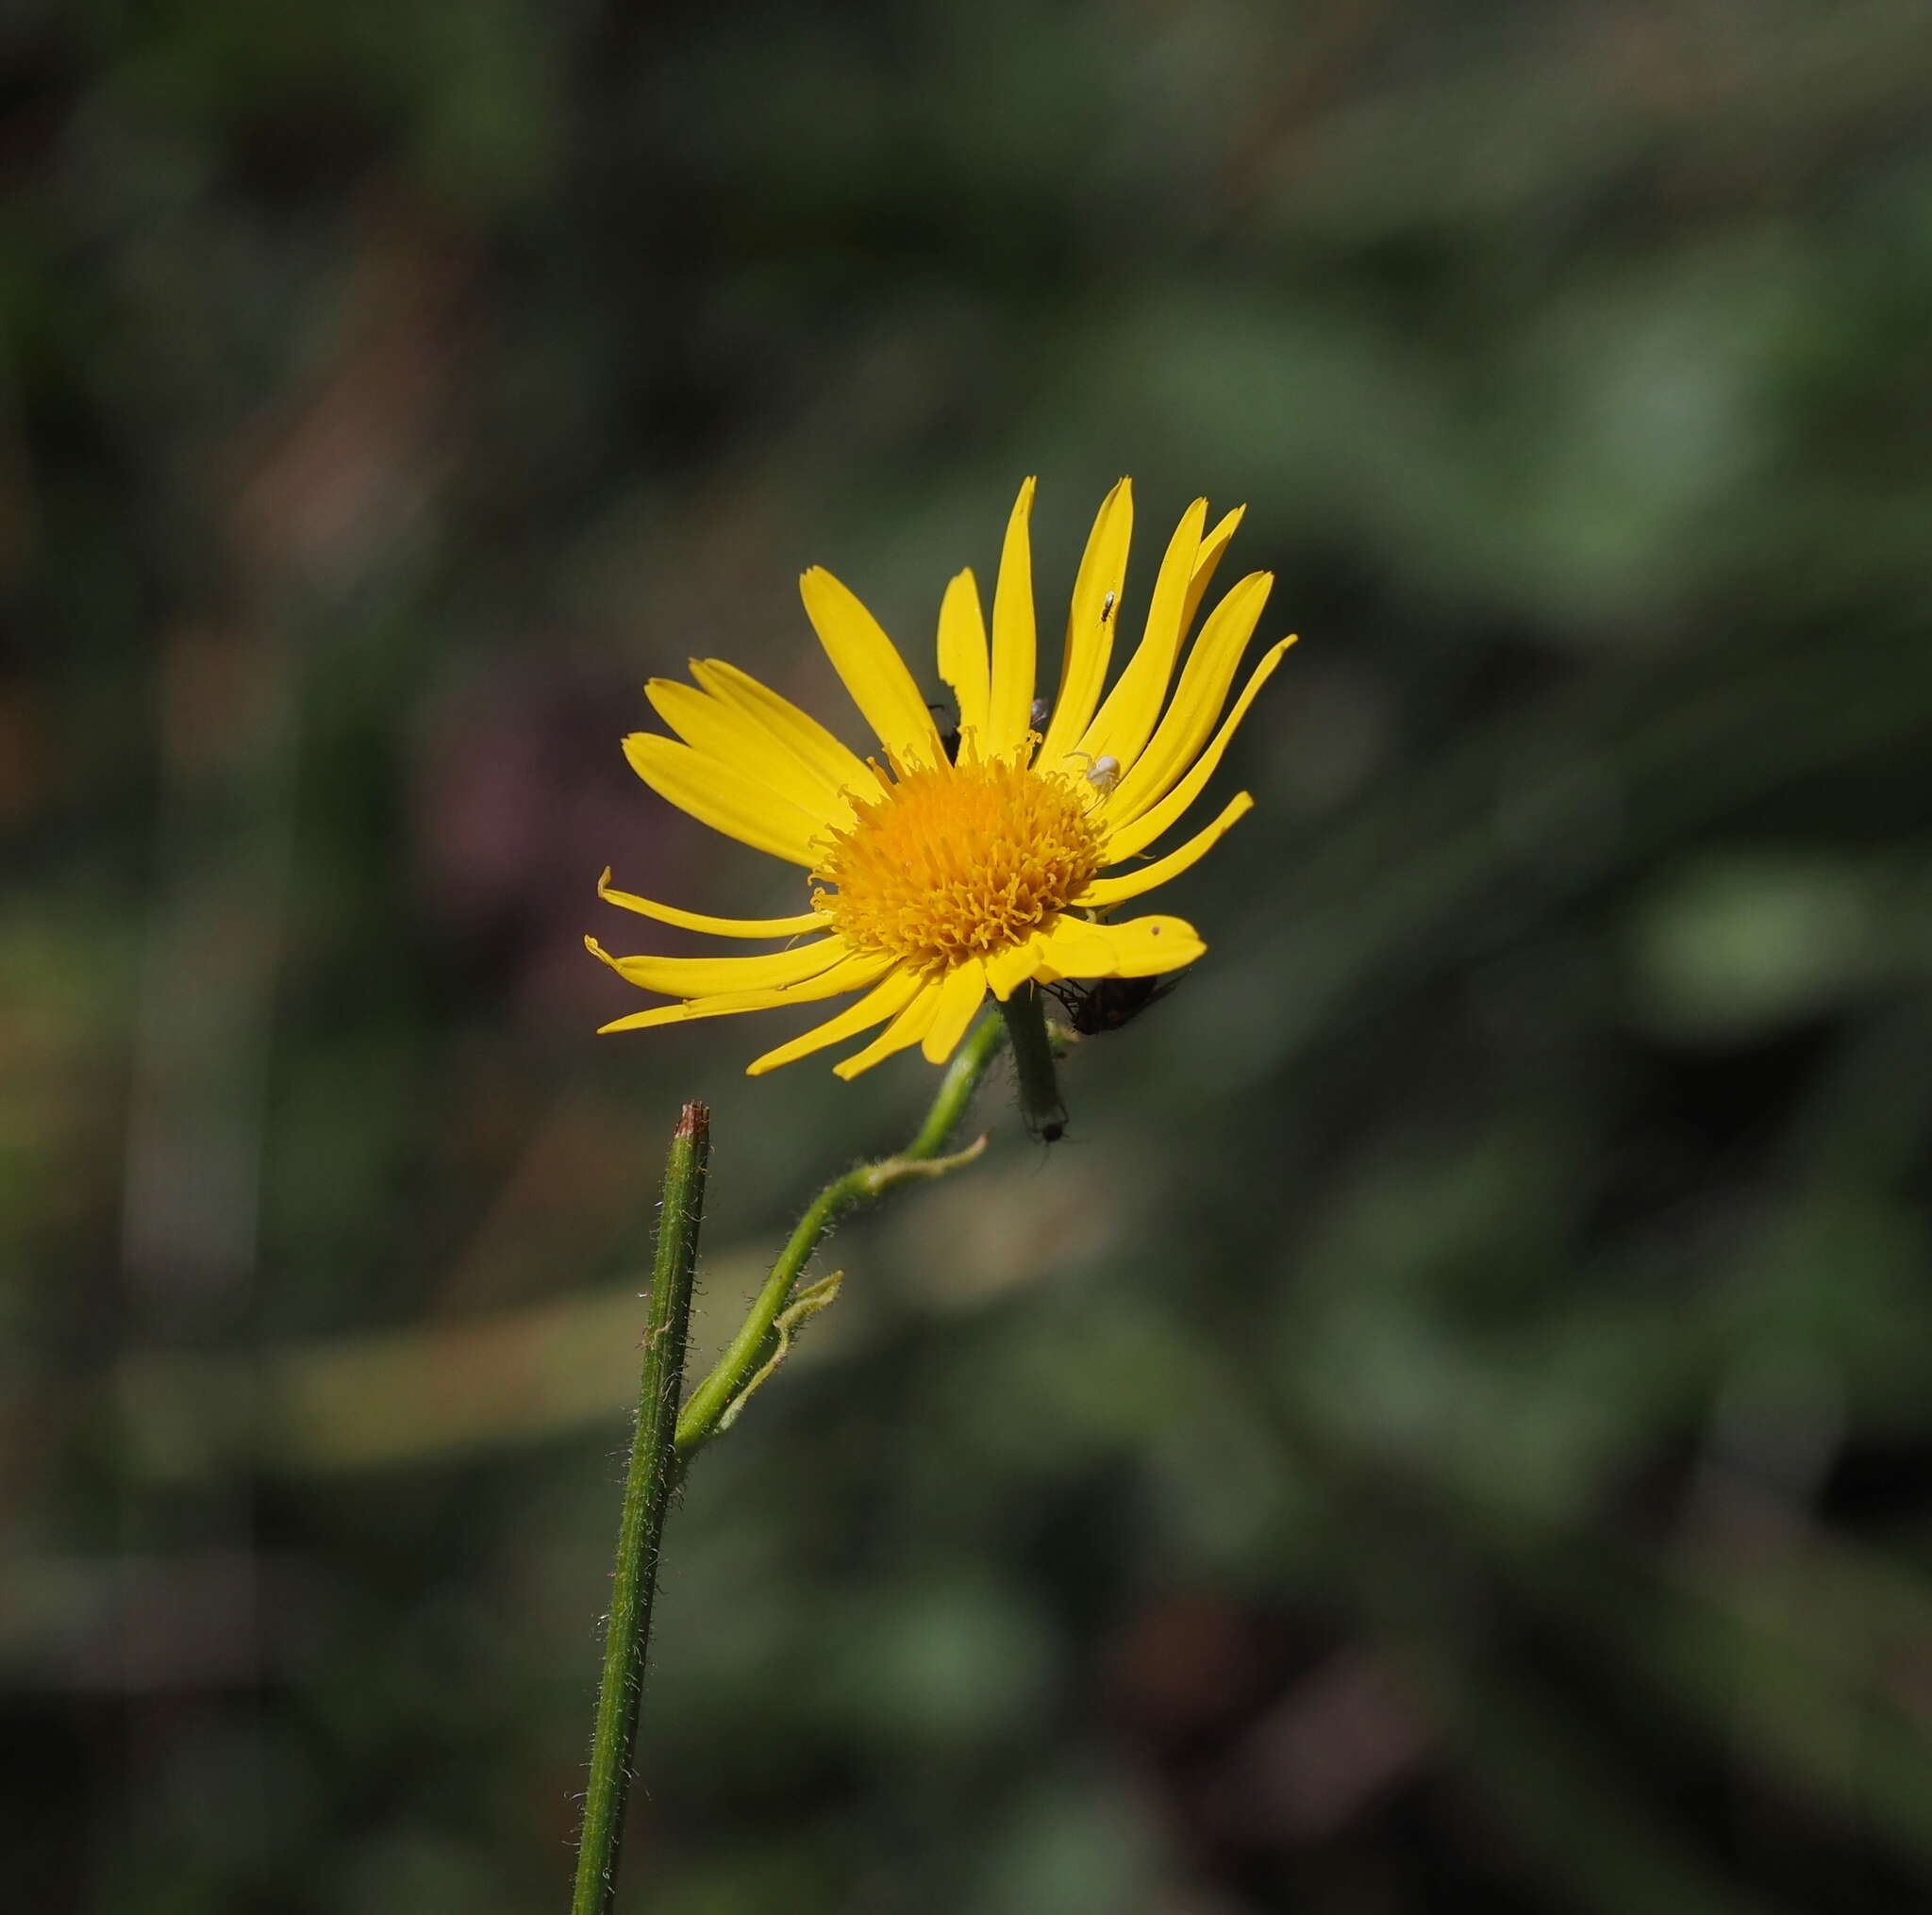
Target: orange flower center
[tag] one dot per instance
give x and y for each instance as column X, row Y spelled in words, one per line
column 956, row 861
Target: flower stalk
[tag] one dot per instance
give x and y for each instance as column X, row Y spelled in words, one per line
column 762, row 1337
column 1032, row 1063
column 666, row 1439
column 648, row 1485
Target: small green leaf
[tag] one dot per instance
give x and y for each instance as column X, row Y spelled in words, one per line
column 809, row 1303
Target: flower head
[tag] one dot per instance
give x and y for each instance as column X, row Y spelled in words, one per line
column 955, row 864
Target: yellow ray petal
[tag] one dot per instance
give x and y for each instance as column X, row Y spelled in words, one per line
column 852, row 974
column 697, row 921
column 962, row 993
column 887, row 999
column 733, row 737
column 1106, row 891
column 1147, row 948
column 1091, row 620
column 1010, row 702
column 905, row 1030
column 857, row 973
column 1197, row 700
column 706, row 976
column 1130, row 835
column 657, row 1014
column 725, row 798
column 1008, row 970
column 963, row 658
column 1207, row 561
column 871, row 669
column 1127, row 716
column 1142, row 947
column 1073, row 947
column 841, row 768
column 682, row 1013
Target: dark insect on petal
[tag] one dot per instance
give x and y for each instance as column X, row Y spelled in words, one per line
column 1108, row 1003
column 949, row 735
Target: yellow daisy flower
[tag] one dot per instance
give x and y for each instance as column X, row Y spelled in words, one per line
column 969, row 861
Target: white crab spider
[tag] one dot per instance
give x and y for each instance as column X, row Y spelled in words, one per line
column 1102, row 773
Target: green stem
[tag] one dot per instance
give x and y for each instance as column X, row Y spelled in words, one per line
column 647, row 1489
column 1040, row 1086
column 963, row 1077
column 922, row 1157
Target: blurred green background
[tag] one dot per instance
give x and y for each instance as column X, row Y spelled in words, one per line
column 1452, row 1427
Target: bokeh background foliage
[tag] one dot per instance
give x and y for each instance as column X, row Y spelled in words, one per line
column 1451, row 1427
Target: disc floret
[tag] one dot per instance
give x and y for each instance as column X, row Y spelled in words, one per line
column 957, row 861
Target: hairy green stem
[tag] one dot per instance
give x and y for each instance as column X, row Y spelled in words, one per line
column 1033, row 1063
column 652, row 1476
column 706, row 1411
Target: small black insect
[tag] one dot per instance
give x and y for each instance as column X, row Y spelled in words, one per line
column 1107, row 608
column 949, row 738
column 1108, row 1003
